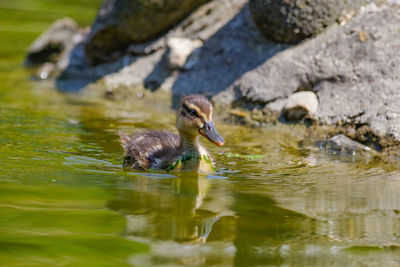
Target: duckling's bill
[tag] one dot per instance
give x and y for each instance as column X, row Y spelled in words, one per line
column 209, row 132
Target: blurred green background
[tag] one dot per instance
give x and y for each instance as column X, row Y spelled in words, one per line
column 22, row 21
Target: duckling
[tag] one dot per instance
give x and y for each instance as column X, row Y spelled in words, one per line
column 166, row 150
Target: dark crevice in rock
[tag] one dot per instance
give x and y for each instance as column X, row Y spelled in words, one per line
column 49, row 53
column 357, row 116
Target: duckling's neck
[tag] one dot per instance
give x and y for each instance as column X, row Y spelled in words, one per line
column 192, row 154
column 189, row 143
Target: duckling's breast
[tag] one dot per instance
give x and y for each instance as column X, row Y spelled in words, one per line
column 194, row 161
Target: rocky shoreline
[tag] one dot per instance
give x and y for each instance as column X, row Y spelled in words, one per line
column 335, row 68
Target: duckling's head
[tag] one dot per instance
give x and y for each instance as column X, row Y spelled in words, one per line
column 195, row 117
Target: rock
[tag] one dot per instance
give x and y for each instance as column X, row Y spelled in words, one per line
column 127, row 71
column 122, row 22
column 209, row 19
column 179, row 49
column 145, row 63
column 147, row 47
column 58, row 40
column 356, row 82
column 146, row 69
column 235, row 49
column 300, row 105
column 344, row 146
column 291, row 21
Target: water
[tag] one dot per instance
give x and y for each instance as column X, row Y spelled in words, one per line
column 65, row 200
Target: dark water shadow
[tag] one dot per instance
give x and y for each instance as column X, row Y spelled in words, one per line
column 263, row 228
column 235, row 49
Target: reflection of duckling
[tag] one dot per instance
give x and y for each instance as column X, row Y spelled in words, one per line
column 165, row 150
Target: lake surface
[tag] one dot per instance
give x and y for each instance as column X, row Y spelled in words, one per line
column 66, row 201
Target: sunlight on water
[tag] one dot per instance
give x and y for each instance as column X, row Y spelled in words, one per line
column 65, row 199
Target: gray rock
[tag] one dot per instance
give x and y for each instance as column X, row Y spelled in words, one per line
column 205, row 23
column 291, row 21
column 150, row 69
column 209, row 19
column 344, row 146
column 299, row 105
column 57, row 41
column 355, row 78
column 235, row 49
column 122, row 22
column 130, row 70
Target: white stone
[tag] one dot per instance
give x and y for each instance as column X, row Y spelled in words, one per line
column 301, row 104
column 179, row 50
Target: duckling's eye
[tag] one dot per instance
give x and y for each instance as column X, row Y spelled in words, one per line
column 189, row 111
column 192, row 112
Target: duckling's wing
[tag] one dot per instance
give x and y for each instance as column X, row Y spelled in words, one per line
column 145, row 150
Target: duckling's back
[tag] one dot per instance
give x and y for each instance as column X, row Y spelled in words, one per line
column 148, row 149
